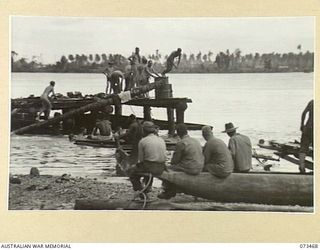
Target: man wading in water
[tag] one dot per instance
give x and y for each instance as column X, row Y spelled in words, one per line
column 46, row 104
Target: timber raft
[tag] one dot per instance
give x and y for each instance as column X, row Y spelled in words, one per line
column 82, row 111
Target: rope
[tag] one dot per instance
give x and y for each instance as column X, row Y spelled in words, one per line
column 142, row 192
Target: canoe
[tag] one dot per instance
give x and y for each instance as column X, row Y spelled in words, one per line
column 110, row 143
column 260, row 188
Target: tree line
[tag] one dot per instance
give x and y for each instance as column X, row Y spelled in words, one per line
column 222, row 62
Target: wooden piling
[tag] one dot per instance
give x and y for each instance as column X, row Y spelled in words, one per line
column 147, row 113
column 171, row 126
column 181, row 107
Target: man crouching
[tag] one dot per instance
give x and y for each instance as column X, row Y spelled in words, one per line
column 187, row 158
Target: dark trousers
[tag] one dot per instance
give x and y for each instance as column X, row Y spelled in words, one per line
column 142, row 170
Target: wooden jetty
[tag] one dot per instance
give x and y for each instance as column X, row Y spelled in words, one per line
column 78, row 111
column 288, row 151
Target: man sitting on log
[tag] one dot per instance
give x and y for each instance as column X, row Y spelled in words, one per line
column 240, row 148
column 46, row 104
column 187, row 158
column 217, row 157
column 307, row 134
column 152, row 157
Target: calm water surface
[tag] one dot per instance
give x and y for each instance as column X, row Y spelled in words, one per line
column 264, row 106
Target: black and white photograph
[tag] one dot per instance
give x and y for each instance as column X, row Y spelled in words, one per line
column 172, row 114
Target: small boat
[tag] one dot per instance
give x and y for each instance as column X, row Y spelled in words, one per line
column 110, row 143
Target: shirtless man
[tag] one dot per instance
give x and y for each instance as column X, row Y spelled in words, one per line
column 170, row 61
column 150, row 72
column 115, row 82
column 108, row 71
column 46, row 104
column 102, row 127
column 306, row 128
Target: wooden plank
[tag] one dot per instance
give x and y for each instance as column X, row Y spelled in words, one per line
column 121, row 204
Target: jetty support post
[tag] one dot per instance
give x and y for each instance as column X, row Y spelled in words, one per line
column 180, row 109
column 170, row 115
column 147, row 113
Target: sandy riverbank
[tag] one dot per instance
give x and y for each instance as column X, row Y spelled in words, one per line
column 47, row 192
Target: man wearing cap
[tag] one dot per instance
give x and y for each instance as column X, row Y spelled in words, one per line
column 240, row 148
column 152, row 156
column 217, row 157
column 170, row 61
column 46, row 104
column 187, row 158
column 132, row 136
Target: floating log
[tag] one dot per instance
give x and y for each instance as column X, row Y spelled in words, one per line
column 121, row 204
column 260, row 188
column 93, row 106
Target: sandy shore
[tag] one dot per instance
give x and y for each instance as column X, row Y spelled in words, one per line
column 48, row 192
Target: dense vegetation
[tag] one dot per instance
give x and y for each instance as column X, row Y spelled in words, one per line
column 223, row 62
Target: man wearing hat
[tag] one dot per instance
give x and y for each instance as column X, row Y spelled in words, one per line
column 151, row 156
column 240, row 148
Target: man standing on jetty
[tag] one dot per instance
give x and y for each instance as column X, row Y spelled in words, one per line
column 307, row 134
column 170, row 61
column 217, row 157
column 187, row 158
column 240, row 148
column 46, row 104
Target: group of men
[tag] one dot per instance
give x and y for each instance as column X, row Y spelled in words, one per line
column 149, row 154
column 137, row 73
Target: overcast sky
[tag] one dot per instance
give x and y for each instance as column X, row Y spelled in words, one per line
column 52, row 37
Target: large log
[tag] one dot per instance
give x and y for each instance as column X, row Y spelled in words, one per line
column 93, row 106
column 260, row 188
column 121, row 204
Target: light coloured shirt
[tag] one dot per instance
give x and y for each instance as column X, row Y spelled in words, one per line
column 152, row 148
column 241, row 151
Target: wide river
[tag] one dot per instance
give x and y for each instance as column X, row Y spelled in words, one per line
column 263, row 106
